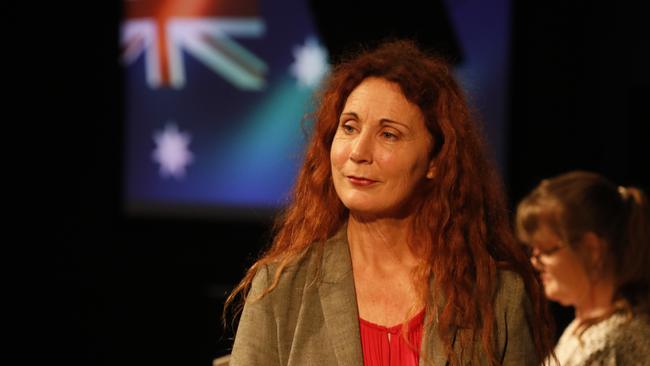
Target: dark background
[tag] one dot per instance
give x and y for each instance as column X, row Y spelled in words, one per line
column 98, row 288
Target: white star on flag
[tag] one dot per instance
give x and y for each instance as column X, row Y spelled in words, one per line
column 172, row 152
column 310, row 63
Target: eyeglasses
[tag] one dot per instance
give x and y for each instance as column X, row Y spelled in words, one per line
column 530, row 250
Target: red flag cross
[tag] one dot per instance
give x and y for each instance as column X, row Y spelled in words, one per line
column 202, row 29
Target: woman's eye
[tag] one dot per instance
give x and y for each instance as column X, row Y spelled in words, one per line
column 389, row 135
column 347, row 128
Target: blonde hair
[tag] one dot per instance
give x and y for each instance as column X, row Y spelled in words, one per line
column 578, row 202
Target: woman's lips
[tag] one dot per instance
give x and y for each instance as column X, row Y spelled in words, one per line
column 358, row 181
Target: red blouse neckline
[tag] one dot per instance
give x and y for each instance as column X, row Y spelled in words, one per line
column 414, row 323
column 384, row 346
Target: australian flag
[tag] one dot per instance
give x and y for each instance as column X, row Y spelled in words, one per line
column 216, row 95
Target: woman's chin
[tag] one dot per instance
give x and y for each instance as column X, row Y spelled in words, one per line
column 364, row 213
column 551, row 293
column 372, row 209
column 364, row 208
column 558, row 298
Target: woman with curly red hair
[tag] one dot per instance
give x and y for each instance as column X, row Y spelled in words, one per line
column 396, row 247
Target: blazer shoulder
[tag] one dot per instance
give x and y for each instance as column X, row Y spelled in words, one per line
column 327, row 261
column 297, row 274
column 510, row 276
column 513, row 310
column 510, row 285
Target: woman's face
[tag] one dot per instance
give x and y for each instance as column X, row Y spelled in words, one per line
column 380, row 153
column 561, row 268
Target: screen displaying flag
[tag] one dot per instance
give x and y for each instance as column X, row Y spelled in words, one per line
column 216, row 92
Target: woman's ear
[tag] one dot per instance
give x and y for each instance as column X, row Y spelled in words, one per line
column 431, row 172
column 595, row 252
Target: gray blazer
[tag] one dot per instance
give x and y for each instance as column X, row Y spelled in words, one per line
column 304, row 322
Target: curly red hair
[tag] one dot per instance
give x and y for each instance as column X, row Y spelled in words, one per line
column 462, row 225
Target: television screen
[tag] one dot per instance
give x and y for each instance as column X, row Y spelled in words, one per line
column 215, row 95
column 217, row 91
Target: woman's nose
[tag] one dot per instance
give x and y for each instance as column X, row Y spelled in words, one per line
column 535, row 261
column 362, row 149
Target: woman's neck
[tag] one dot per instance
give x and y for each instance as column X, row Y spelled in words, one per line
column 597, row 302
column 383, row 265
column 382, row 242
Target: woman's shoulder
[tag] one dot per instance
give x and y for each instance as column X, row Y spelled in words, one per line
column 631, row 331
column 620, row 339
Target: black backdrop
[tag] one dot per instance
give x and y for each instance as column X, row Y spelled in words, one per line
column 102, row 289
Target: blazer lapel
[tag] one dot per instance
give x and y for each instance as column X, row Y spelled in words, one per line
column 432, row 344
column 339, row 302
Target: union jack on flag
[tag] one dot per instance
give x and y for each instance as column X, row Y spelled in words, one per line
column 205, row 29
column 215, row 94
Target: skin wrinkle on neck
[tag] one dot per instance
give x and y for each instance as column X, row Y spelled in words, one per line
column 381, row 243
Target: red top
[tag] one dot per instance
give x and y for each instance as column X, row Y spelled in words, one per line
column 385, row 346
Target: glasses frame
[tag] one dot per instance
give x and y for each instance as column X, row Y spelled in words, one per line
column 530, row 251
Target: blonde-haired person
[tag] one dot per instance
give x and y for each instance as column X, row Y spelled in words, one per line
column 590, row 242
